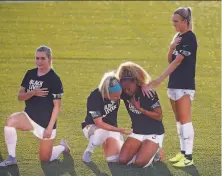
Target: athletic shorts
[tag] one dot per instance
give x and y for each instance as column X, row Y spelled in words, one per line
column 158, row 139
column 176, row 94
column 89, row 130
column 38, row 130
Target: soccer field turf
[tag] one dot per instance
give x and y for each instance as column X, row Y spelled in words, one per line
column 90, row 38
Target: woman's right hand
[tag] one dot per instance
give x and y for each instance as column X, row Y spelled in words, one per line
column 40, row 92
column 126, row 131
column 175, row 43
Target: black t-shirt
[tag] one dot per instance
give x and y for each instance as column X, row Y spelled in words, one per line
column 38, row 108
column 97, row 107
column 183, row 77
column 142, row 124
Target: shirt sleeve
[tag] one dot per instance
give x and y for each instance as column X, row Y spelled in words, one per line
column 155, row 102
column 57, row 88
column 150, row 103
column 185, row 47
column 25, row 81
column 94, row 107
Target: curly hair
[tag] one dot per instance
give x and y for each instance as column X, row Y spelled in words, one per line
column 135, row 71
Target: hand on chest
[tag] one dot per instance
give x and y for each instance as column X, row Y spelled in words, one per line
column 38, row 84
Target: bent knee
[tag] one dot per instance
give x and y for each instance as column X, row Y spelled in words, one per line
column 44, row 158
column 11, row 121
column 97, row 142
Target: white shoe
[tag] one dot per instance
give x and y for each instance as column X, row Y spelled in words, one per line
column 9, row 161
column 65, row 144
column 87, row 156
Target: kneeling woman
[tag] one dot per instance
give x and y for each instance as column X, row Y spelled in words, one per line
column 41, row 89
column 142, row 145
column 100, row 126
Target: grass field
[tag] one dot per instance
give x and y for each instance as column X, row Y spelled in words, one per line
column 90, row 38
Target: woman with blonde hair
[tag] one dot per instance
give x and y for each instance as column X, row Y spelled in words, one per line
column 142, row 145
column 100, row 125
column 42, row 90
column 181, row 85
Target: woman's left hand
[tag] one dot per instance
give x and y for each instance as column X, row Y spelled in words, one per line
column 135, row 103
column 147, row 91
column 47, row 133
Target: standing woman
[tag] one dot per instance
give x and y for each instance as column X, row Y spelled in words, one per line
column 100, row 125
column 181, row 85
column 41, row 89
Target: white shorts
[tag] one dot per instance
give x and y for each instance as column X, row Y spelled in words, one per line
column 176, row 94
column 38, row 130
column 158, row 139
column 89, row 130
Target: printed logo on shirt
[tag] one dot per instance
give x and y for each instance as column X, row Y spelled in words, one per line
column 185, row 53
column 108, row 108
column 132, row 108
column 57, row 96
column 175, row 52
column 34, row 84
column 95, row 114
column 155, row 105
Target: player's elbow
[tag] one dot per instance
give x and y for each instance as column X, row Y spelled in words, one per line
column 98, row 123
column 20, row 97
column 159, row 116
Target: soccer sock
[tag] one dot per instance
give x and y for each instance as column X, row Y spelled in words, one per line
column 90, row 146
column 56, row 151
column 99, row 137
column 114, row 158
column 10, row 139
column 183, row 152
column 188, row 137
column 180, row 134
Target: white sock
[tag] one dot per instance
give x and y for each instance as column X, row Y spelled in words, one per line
column 114, row 158
column 180, row 134
column 188, row 135
column 100, row 137
column 90, row 146
column 10, row 139
column 56, row 151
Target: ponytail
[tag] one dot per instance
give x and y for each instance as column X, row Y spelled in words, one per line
column 189, row 19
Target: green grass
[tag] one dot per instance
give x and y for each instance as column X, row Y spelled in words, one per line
column 90, row 38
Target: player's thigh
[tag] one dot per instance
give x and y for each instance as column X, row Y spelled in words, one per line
column 19, row 120
column 45, row 149
column 146, row 153
column 129, row 149
column 111, row 147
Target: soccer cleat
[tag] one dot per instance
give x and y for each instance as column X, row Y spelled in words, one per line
column 177, row 158
column 87, row 156
column 184, row 162
column 9, row 161
column 65, row 144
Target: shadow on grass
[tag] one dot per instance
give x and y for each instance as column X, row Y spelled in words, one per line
column 92, row 166
column 157, row 169
column 192, row 170
column 9, row 170
column 57, row 167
